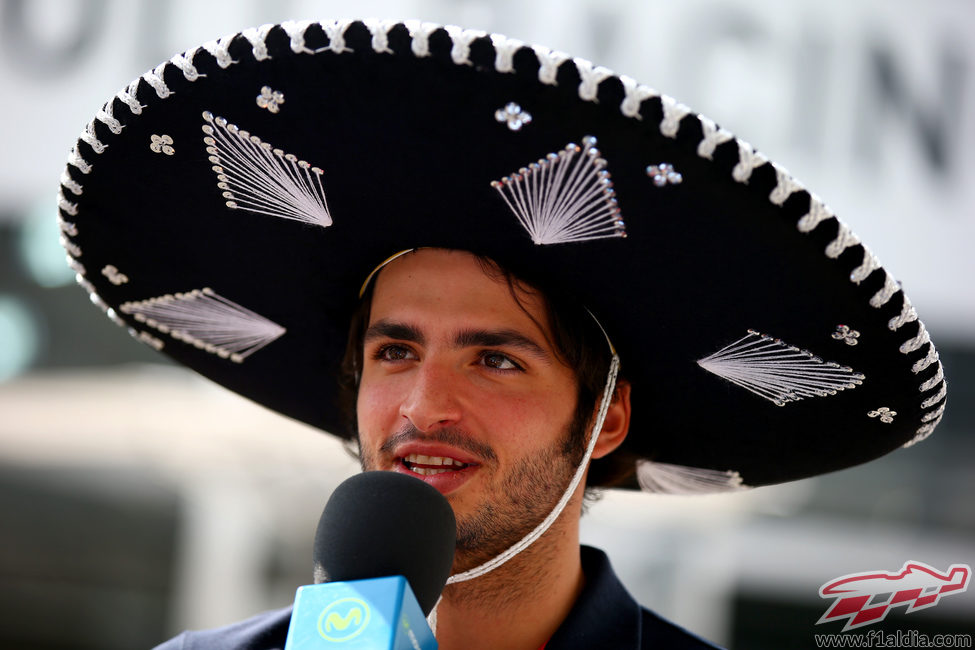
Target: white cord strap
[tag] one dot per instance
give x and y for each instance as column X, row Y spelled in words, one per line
column 546, row 523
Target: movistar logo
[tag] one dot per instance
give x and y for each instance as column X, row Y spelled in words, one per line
column 343, row 619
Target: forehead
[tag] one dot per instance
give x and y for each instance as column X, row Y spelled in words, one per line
column 454, row 285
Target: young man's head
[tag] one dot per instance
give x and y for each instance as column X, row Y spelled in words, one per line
column 480, row 385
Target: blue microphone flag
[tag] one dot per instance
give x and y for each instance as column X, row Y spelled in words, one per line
column 373, row 614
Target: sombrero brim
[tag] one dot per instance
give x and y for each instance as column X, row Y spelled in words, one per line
column 763, row 341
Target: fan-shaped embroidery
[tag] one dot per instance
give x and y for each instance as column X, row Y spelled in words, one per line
column 777, row 371
column 565, row 197
column 208, row 321
column 257, row 177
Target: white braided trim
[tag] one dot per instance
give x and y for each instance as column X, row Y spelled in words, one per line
column 785, row 186
column 295, row 29
column 73, row 249
column 88, row 137
column 674, row 112
column 922, row 364
column 907, row 315
column 460, row 53
column 914, row 344
column 106, row 115
column 818, row 212
column 155, row 79
column 220, row 51
column 713, row 136
column 420, row 34
column 75, row 265
column 546, row 523
column 380, row 34
column 883, row 296
column 335, row 30
column 934, row 399
column 634, row 96
column 869, row 264
column 549, row 62
column 128, row 97
column 923, row 433
column 748, row 161
column 73, row 186
column 186, row 65
column 257, row 36
column 590, row 76
column 931, row 383
column 505, row 48
column 664, row 478
column 67, row 207
column 68, row 228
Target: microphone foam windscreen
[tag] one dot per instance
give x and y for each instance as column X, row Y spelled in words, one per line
column 379, row 524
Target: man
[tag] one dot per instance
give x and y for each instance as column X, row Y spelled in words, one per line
column 760, row 340
column 463, row 386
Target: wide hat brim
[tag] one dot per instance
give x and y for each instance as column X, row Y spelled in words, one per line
column 164, row 208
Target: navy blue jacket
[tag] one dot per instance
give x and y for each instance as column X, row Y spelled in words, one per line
column 605, row 616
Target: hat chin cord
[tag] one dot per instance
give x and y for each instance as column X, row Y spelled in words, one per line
column 546, row 523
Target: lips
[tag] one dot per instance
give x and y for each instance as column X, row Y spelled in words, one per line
column 443, row 466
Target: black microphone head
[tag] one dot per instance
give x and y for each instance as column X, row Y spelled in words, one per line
column 379, row 524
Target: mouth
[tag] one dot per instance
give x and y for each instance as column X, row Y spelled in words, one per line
column 432, row 465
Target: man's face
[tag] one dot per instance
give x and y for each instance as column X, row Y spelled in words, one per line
column 461, row 388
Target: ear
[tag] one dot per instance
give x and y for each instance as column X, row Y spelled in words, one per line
column 617, row 422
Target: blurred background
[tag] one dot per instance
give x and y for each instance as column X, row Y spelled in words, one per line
column 136, row 499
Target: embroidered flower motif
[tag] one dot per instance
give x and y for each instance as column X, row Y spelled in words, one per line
column 114, row 276
column 885, row 414
column 846, row 334
column 270, row 99
column 513, row 114
column 162, row 144
column 664, row 174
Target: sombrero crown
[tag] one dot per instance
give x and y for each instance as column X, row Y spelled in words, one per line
column 226, row 206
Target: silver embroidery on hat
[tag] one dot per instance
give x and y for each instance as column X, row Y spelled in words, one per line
column 777, row 371
column 208, row 321
column 270, row 99
column 114, row 275
column 885, row 414
column 846, row 334
column 513, row 115
column 257, row 177
column 565, row 197
column 664, row 174
column 161, row 144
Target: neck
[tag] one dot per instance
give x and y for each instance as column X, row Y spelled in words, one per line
column 520, row 604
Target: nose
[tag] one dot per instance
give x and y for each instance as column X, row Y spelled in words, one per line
column 432, row 400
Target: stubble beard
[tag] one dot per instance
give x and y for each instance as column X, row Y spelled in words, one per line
column 513, row 504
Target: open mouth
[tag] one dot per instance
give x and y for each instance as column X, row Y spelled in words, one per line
column 432, row 465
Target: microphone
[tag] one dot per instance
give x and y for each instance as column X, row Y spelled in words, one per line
column 383, row 552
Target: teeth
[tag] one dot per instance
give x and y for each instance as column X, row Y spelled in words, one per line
column 432, row 462
column 425, row 471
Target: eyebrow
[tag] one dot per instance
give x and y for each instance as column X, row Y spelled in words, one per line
column 464, row 339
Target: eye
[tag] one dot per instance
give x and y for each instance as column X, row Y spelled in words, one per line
column 498, row 361
column 394, row 352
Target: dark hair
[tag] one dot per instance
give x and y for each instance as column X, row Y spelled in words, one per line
column 576, row 339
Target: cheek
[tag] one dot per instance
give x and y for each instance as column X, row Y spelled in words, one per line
column 376, row 406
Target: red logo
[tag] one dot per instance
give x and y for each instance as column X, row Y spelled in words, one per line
column 865, row 598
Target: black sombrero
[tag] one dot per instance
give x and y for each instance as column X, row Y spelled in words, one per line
column 227, row 206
